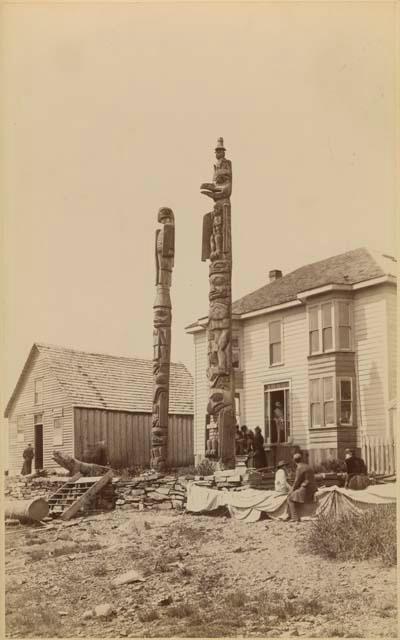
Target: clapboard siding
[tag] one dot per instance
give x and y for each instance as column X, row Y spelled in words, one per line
column 201, row 391
column 370, row 325
column 257, row 371
column 391, row 310
column 54, row 400
column 128, row 436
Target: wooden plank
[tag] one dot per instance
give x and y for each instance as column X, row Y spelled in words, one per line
column 68, row 513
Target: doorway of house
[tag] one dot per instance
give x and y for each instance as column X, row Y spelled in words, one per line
column 277, row 417
column 38, row 446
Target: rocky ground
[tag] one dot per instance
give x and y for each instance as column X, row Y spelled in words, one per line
column 198, row 576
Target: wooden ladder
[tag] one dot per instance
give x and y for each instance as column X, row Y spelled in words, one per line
column 76, row 494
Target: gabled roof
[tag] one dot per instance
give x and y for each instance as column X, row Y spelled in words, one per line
column 350, row 268
column 110, row 382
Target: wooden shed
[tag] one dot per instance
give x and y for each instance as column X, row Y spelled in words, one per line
column 69, row 400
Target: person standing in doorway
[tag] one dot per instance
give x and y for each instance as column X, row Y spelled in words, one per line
column 303, row 489
column 279, row 422
column 28, row 456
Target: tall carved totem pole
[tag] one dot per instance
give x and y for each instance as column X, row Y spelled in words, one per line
column 162, row 317
column 217, row 248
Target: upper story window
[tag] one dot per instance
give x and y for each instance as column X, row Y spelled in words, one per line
column 38, row 391
column 20, row 428
column 329, row 326
column 275, row 342
column 235, row 350
column 58, row 431
column 344, row 333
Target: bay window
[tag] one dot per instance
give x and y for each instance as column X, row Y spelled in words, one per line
column 346, row 401
column 331, row 401
column 329, row 326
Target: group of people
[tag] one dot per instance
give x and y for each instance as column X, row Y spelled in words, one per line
column 251, row 444
column 304, row 485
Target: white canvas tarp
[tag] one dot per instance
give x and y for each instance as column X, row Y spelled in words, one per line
column 248, row 504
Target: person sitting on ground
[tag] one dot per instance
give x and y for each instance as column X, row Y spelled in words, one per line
column 259, row 453
column 281, row 484
column 356, row 471
column 303, row 489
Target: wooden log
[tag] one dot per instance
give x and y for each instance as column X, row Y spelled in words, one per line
column 25, row 510
column 77, row 466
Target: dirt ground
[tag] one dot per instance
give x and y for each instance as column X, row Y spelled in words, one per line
column 203, row 576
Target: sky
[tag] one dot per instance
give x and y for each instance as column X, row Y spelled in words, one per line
column 112, row 110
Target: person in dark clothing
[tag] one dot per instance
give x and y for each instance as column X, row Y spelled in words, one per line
column 28, row 456
column 250, row 448
column 101, row 454
column 356, row 471
column 303, row 489
column 259, row 453
column 243, row 430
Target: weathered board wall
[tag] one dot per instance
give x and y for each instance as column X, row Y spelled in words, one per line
column 128, row 436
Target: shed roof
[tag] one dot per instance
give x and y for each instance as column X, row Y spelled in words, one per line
column 110, row 382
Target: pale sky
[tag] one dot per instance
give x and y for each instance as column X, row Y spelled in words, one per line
column 113, row 110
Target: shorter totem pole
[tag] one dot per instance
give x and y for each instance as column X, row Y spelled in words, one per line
column 217, row 247
column 164, row 255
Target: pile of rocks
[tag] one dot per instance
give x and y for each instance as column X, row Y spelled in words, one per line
column 25, row 487
column 152, row 491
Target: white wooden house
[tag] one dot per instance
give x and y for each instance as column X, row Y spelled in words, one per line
column 69, row 400
column 321, row 341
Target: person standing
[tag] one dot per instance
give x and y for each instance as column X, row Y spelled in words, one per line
column 303, row 489
column 259, row 453
column 28, row 456
column 279, row 422
column 281, row 483
column 356, row 471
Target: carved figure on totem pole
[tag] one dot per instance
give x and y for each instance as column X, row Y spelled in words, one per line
column 162, row 318
column 217, row 248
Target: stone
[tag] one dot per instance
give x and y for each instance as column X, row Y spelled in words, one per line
column 128, row 577
column 273, row 619
column 87, row 614
column 293, row 632
column 165, row 601
column 103, row 611
column 12, row 522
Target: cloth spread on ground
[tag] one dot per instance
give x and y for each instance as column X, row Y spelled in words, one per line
column 248, row 504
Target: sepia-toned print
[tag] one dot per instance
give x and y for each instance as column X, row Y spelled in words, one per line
column 199, row 400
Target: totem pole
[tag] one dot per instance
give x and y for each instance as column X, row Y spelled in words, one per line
column 164, row 255
column 217, row 247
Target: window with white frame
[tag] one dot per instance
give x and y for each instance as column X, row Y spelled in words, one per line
column 327, row 331
column 58, row 431
column 329, row 326
column 344, row 325
column 345, row 401
column 322, row 402
column 314, row 329
column 235, row 350
column 315, row 403
column 20, row 428
column 38, row 396
column 275, row 342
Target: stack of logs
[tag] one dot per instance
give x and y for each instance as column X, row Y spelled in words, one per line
column 152, row 490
